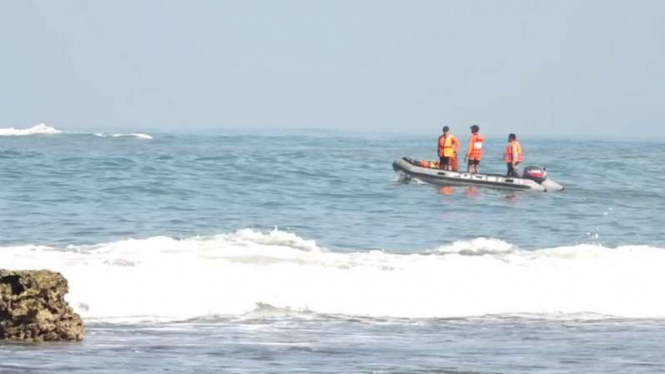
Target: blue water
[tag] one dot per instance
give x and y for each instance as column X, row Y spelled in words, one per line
column 307, row 253
column 338, row 190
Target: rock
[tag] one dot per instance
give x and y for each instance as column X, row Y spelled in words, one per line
column 33, row 307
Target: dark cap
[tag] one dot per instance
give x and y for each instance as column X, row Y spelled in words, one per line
column 446, row 128
column 475, row 128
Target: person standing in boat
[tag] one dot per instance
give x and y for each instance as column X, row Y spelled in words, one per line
column 474, row 151
column 448, row 146
column 513, row 156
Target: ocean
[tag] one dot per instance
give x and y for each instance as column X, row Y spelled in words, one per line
column 304, row 252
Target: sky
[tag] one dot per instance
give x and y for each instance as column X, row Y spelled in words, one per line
column 556, row 68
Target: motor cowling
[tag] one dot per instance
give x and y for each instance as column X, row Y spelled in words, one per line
column 535, row 173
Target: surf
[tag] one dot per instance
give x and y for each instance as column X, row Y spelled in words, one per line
column 162, row 278
column 40, row 129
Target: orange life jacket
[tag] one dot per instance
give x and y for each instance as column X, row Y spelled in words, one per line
column 509, row 152
column 441, row 145
column 475, row 150
column 448, row 145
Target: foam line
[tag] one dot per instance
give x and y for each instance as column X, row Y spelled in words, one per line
column 232, row 274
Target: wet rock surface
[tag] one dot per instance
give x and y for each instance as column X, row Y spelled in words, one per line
column 33, row 307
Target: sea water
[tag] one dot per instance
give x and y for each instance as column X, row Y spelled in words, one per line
column 305, row 252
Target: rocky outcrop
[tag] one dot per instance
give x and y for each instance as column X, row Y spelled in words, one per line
column 33, row 307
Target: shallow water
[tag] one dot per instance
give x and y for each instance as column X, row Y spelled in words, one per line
column 328, row 345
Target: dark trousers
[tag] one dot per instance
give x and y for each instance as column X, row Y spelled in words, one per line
column 512, row 172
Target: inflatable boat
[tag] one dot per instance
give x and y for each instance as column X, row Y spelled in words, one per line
column 534, row 178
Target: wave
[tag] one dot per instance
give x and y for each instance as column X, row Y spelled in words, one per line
column 40, row 129
column 478, row 246
column 162, row 278
column 132, row 135
column 43, row 129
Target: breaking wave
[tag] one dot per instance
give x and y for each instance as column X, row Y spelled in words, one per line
column 43, row 129
column 40, row 129
column 133, row 135
column 162, row 278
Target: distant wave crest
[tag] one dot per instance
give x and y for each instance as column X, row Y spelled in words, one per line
column 40, row 129
column 43, row 129
column 162, row 278
column 132, row 135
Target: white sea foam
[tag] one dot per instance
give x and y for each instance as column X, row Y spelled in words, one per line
column 40, row 129
column 43, row 129
column 233, row 274
column 478, row 246
column 132, row 135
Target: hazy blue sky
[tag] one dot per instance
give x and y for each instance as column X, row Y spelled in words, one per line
column 551, row 67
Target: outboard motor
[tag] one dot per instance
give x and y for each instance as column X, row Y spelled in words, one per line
column 535, row 173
